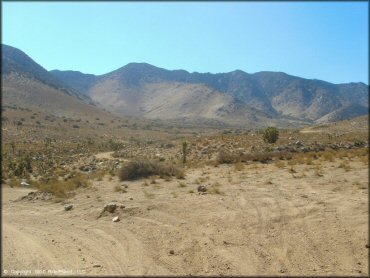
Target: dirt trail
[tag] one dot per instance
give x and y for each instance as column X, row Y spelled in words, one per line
column 265, row 222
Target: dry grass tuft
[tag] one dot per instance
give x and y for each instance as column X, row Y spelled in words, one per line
column 61, row 188
column 239, row 166
column 215, row 189
column 280, row 164
column 345, row 165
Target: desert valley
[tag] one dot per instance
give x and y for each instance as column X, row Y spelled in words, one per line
column 148, row 171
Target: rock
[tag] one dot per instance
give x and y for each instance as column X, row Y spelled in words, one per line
column 96, row 265
column 202, row 188
column 334, row 146
column 305, row 149
column 298, row 143
column 172, row 252
column 111, row 207
column 115, row 219
column 68, row 207
column 25, row 184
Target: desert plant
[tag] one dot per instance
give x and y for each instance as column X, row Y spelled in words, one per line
column 145, row 168
column 61, row 188
column 184, row 151
column 21, row 166
column 270, row 135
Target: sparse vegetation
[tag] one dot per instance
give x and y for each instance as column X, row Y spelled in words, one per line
column 145, row 168
column 270, row 135
column 62, row 188
column 184, row 151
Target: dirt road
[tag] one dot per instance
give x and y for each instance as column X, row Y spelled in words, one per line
column 262, row 220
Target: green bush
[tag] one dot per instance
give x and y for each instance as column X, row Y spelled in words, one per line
column 270, row 135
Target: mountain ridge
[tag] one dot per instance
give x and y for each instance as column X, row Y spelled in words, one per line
column 277, row 93
column 236, row 97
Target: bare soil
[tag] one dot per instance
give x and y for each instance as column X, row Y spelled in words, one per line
column 261, row 220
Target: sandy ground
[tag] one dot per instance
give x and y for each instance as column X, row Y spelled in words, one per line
column 265, row 221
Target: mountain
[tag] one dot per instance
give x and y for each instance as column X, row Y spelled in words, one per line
column 16, row 61
column 27, row 84
column 144, row 90
column 77, row 80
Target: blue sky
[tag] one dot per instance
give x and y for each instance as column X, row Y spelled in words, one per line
column 327, row 41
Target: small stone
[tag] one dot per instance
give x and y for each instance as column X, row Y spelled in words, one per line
column 367, row 246
column 111, row 207
column 79, row 249
column 131, row 198
column 68, row 207
column 115, row 219
column 172, row 252
column 202, row 188
column 25, row 184
column 96, row 265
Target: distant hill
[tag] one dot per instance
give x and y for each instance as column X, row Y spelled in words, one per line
column 264, row 97
column 27, row 84
column 143, row 90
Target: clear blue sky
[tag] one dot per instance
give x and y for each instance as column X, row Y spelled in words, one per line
column 327, row 41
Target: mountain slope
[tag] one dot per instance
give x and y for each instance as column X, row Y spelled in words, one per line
column 26, row 84
column 16, row 61
column 145, row 90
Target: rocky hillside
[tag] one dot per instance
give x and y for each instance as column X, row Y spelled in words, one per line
column 27, row 84
column 14, row 61
column 144, row 90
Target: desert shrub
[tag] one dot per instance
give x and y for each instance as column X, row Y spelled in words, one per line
column 184, row 151
column 279, row 164
column 61, row 188
column 215, row 189
column 270, row 135
column 114, row 146
column 145, row 168
column 119, row 188
column 226, row 157
column 238, row 166
column 328, row 155
column 263, row 157
column 21, row 166
column 359, row 143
